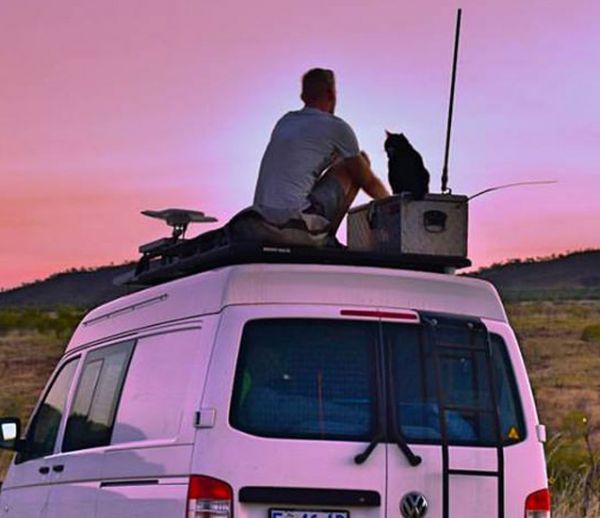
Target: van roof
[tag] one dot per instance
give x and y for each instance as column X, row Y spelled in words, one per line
column 350, row 286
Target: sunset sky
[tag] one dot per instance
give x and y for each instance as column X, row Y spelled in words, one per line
column 114, row 106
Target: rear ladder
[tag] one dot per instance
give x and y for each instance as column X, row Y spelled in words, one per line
column 479, row 342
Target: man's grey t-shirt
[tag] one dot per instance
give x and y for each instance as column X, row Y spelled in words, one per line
column 303, row 144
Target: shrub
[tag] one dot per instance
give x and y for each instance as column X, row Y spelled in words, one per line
column 61, row 322
column 591, row 333
column 8, row 320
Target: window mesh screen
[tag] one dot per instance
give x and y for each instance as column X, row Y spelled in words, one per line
column 306, row 378
column 457, row 365
column 316, row 378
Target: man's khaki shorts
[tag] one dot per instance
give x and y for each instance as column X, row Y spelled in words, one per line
column 327, row 200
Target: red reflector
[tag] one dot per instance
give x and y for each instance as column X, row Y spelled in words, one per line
column 538, row 501
column 208, row 488
column 413, row 317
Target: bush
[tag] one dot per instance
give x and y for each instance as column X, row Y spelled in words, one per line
column 60, row 322
column 8, row 320
column 591, row 333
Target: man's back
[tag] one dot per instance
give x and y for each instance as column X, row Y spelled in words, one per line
column 303, row 144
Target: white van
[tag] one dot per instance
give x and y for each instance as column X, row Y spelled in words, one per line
column 286, row 391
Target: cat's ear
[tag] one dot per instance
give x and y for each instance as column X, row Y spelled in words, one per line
column 387, row 133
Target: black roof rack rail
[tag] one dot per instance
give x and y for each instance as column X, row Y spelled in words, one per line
column 193, row 256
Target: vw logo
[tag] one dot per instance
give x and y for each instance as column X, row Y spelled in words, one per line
column 413, row 505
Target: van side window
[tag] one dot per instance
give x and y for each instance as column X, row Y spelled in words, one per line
column 93, row 410
column 156, row 387
column 44, row 425
column 306, row 378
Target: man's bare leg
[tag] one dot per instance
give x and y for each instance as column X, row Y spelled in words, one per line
column 352, row 175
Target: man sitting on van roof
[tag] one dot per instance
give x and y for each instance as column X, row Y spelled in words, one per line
column 311, row 171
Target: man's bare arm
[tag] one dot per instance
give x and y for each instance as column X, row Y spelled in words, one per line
column 360, row 172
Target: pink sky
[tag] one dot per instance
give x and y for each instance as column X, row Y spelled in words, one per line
column 108, row 108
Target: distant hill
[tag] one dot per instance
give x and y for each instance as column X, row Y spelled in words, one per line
column 78, row 287
column 574, row 275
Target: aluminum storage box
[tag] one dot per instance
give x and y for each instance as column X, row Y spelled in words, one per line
column 435, row 226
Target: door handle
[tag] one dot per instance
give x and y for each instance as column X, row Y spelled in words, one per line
column 58, row 468
column 44, row 470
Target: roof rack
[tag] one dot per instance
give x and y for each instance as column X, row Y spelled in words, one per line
column 200, row 254
column 174, row 257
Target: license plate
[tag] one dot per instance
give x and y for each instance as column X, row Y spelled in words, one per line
column 307, row 513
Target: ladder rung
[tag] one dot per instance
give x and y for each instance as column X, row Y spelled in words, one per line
column 473, row 472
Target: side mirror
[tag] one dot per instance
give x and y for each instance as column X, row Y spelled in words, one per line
column 10, row 432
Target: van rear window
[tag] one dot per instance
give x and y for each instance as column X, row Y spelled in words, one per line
column 324, row 379
column 451, row 388
column 306, row 379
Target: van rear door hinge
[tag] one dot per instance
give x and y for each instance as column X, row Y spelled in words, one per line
column 205, row 418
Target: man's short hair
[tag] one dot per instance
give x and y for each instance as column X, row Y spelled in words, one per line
column 316, row 84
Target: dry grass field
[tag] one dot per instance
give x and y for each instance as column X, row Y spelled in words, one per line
column 563, row 356
column 26, row 360
column 561, row 345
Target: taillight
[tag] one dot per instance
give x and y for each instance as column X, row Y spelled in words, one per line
column 209, row 498
column 537, row 504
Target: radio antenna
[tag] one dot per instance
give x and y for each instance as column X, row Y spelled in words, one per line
column 445, row 188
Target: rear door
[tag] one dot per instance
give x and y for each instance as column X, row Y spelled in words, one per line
column 291, row 400
column 454, row 400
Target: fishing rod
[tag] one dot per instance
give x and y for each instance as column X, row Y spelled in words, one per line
column 506, row 186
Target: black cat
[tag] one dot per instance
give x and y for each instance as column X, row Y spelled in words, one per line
column 406, row 171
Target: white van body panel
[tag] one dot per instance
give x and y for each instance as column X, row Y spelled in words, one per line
column 71, row 498
column 187, row 336
column 165, row 499
column 26, row 501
